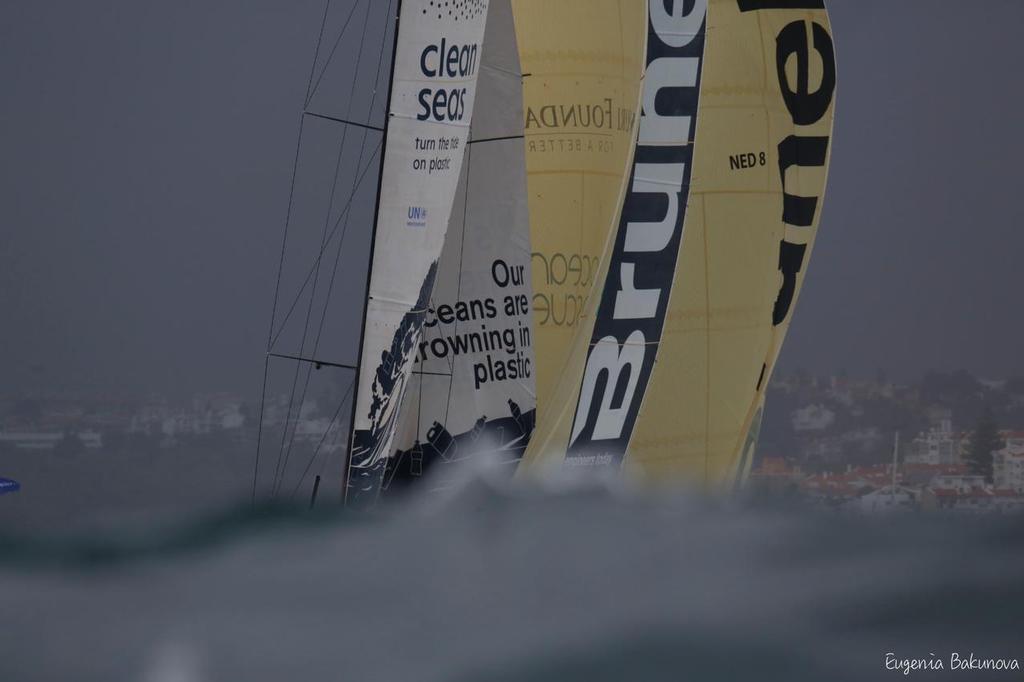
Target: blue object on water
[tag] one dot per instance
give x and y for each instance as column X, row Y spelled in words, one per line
column 9, row 486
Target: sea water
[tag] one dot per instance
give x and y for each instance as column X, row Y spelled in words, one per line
column 499, row 583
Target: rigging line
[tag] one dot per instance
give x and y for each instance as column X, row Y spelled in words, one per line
column 316, row 450
column 277, row 295
column 419, row 398
column 287, row 226
column 284, row 242
column 278, row 473
column 259, row 430
column 348, row 205
column 334, row 230
column 337, row 41
column 323, row 319
column 334, row 272
column 497, row 139
column 419, row 406
column 421, row 363
column 362, row 152
column 379, row 129
column 508, row 72
column 337, row 441
column 291, row 200
column 291, row 397
column 462, row 253
column 421, row 373
column 380, row 65
column 314, row 361
column 337, row 257
column 316, row 54
column 450, row 361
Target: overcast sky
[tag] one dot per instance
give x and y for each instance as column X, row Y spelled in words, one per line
column 146, row 151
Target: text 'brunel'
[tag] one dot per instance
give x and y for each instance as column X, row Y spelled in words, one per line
column 806, row 108
column 635, row 298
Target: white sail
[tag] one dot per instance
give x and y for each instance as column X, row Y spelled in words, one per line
column 472, row 393
column 437, row 60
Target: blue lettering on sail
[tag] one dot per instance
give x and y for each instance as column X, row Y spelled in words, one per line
column 417, row 217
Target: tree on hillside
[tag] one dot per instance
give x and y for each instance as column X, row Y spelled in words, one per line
column 984, row 441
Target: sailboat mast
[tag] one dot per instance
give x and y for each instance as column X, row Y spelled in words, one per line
column 369, row 269
column 895, row 463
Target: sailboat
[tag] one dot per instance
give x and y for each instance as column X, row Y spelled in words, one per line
column 444, row 361
column 592, row 223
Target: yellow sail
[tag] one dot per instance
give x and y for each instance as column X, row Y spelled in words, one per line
column 760, row 168
column 583, row 64
column 696, row 289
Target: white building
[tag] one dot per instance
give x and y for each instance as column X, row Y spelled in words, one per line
column 32, row 440
column 976, row 501
column 961, row 483
column 885, row 500
column 1008, row 468
column 813, row 418
column 1013, row 439
column 29, row 440
column 939, row 446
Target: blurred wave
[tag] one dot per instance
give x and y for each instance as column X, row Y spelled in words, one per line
column 510, row 583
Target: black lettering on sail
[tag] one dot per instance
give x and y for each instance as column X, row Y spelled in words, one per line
column 791, row 261
column 804, row 106
column 803, row 152
column 634, row 300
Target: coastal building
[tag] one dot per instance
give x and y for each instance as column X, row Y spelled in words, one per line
column 775, row 476
column 886, row 499
column 1008, row 468
column 49, row 440
column 812, row 418
column 922, row 475
column 839, row 490
column 939, row 446
column 958, row 482
column 978, row 500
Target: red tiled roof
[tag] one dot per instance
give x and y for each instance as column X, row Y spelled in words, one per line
column 937, row 469
column 961, row 494
column 1007, row 493
column 773, row 466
